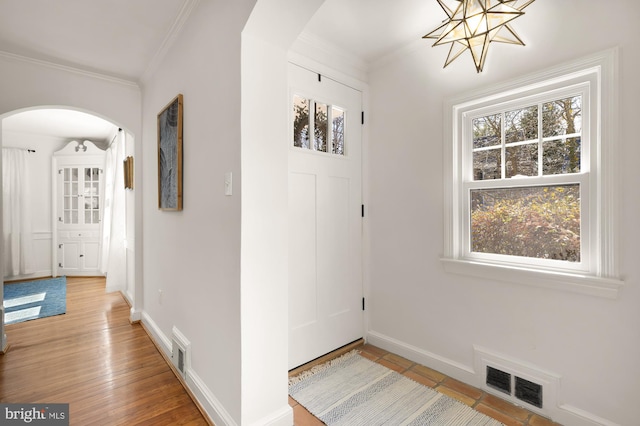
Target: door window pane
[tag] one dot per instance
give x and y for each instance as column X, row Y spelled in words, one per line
column 321, row 126
column 326, row 120
column 337, row 130
column 300, row 122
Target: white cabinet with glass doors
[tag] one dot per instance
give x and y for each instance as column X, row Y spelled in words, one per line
column 78, row 201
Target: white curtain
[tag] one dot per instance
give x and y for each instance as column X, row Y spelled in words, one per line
column 18, row 237
column 114, row 233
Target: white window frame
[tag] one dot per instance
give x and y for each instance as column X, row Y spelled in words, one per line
column 595, row 79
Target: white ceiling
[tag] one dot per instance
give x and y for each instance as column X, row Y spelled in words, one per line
column 123, row 38
column 61, row 123
column 373, row 29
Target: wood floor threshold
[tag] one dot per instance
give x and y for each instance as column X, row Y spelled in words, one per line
column 178, row 375
column 328, row 357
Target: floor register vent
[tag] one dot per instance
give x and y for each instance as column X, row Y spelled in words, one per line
column 522, row 389
column 180, row 352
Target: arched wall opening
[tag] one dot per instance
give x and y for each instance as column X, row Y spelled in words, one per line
column 38, row 132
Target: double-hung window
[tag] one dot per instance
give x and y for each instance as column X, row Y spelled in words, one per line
column 530, row 183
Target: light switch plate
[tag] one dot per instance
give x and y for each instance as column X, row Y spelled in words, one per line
column 228, row 183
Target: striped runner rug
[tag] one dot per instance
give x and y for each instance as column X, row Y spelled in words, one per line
column 352, row 390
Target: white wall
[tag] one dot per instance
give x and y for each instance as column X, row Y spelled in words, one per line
column 272, row 28
column 191, row 259
column 130, row 222
column 416, row 308
column 27, row 84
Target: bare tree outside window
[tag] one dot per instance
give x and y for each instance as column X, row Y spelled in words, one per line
column 327, row 122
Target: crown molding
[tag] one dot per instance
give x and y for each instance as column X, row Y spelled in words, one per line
column 176, row 28
column 67, row 68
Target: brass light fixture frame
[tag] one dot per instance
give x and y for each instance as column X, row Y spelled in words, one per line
column 473, row 24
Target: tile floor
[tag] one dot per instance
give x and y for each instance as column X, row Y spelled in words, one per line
column 505, row 412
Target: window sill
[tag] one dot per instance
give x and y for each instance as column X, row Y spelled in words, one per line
column 577, row 283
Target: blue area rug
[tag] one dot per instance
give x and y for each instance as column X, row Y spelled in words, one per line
column 34, row 299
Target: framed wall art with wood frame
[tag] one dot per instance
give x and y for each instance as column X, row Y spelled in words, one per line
column 170, row 155
column 128, row 172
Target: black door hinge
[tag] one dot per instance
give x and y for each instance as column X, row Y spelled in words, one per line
column 319, row 77
column 362, row 210
column 363, row 303
column 362, row 117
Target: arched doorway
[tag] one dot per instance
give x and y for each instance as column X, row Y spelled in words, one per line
column 39, row 132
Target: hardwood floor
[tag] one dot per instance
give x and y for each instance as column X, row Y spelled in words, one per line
column 108, row 370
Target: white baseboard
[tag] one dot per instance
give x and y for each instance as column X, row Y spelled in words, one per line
column 444, row 365
column 198, row 389
column 562, row 413
column 570, row 415
column 283, row 417
column 208, row 401
column 135, row 316
column 162, row 341
column 205, row 398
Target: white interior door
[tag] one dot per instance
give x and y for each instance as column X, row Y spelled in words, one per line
column 325, row 231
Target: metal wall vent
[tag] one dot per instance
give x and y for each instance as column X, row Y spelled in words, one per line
column 518, row 382
column 499, row 380
column 181, row 361
column 529, row 392
column 180, row 352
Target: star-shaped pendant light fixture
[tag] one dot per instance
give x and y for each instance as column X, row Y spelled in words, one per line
column 474, row 24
